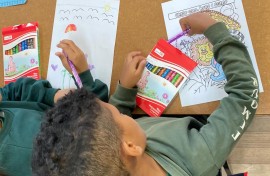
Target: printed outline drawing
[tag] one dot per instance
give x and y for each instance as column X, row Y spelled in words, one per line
column 229, row 10
column 209, row 73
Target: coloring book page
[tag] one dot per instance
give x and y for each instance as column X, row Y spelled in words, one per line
column 92, row 25
column 207, row 81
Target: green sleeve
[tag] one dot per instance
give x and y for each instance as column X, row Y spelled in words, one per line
column 28, row 89
column 97, row 87
column 236, row 111
column 124, row 99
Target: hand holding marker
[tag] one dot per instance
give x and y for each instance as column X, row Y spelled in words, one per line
column 74, row 72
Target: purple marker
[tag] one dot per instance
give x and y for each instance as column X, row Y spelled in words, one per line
column 178, row 36
column 74, row 72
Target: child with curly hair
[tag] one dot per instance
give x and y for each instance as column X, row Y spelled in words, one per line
column 82, row 135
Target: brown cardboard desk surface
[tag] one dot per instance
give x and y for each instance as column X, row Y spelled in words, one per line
column 140, row 25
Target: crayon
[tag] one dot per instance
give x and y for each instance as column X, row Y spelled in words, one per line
column 25, row 45
column 17, row 48
column 150, row 67
column 166, row 72
column 179, row 80
column 28, row 43
column 172, row 76
column 14, row 50
column 175, row 78
column 20, row 47
column 158, row 70
column 147, row 64
column 169, row 75
column 32, row 43
column 161, row 71
column 154, row 69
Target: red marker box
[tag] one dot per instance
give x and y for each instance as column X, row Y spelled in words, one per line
column 156, row 90
column 20, row 52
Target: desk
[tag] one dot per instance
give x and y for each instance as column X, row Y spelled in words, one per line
column 137, row 19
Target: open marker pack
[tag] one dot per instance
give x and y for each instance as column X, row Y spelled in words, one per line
column 166, row 71
column 21, row 52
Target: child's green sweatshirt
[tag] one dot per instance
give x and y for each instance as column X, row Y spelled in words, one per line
column 183, row 146
column 22, row 108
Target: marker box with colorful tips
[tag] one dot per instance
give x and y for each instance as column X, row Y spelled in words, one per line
column 20, row 52
column 166, row 71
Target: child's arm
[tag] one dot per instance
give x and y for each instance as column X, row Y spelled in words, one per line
column 230, row 120
column 28, row 89
column 76, row 55
column 124, row 98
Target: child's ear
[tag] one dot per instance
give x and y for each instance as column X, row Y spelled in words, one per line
column 132, row 149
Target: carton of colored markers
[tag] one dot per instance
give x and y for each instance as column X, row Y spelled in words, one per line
column 166, row 70
column 21, row 52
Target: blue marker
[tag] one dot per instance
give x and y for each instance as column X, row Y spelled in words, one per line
column 165, row 73
column 22, row 44
column 25, row 45
column 150, row 67
column 147, row 64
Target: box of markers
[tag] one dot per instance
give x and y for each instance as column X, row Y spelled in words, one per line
column 20, row 52
column 166, row 70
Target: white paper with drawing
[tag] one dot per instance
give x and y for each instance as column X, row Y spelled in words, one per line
column 92, row 26
column 207, row 82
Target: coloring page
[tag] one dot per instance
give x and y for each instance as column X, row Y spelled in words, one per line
column 92, row 25
column 207, row 81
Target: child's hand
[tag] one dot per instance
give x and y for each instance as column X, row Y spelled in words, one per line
column 132, row 69
column 74, row 54
column 197, row 23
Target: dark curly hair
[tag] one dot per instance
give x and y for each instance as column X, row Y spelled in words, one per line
column 2, row 174
column 78, row 137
